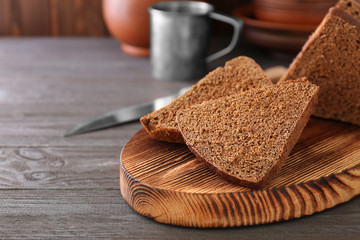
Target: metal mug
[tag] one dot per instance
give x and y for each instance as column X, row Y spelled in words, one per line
column 180, row 36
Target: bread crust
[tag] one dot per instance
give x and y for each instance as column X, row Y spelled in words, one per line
column 332, row 12
column 350, row 6
column 162, row 134
column 327, row 62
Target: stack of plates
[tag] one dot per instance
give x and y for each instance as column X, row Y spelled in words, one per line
column 282, row 25
column 292, row 11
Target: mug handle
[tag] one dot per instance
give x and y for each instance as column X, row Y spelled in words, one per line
column 237, row 23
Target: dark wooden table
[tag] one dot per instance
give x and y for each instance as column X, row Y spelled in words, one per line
column 55, row 187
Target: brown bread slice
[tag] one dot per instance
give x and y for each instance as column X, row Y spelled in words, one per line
column 238, row 75
column 246, row 137
column 331, row 60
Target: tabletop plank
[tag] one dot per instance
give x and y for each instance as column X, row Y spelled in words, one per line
column 68, row 188
column 59, row 168
column 101, row 213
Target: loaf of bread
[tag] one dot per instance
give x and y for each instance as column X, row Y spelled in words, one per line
column 238, row 75
column 246, row 137
column 331, row 59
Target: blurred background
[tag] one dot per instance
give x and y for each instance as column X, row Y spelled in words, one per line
column 69, row 17
column 278, row 26
column 51, row 18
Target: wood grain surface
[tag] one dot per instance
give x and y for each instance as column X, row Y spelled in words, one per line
column 167, row 183
column 68, row 188
column 52, row 18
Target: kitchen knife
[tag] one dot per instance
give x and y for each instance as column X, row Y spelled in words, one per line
column 131, row 113
column 122, row 115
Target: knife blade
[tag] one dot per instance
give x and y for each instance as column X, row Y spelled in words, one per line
column 132, row 113
column 122, row 115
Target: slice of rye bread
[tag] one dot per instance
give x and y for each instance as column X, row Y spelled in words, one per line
column 331, row 59
column 246, row 137
column 238, row 75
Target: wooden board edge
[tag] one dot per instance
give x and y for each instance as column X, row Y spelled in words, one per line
column 239, row 208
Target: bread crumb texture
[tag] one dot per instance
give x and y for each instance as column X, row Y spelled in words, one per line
column 244, row 135
column 238, row 75
column 331, row 60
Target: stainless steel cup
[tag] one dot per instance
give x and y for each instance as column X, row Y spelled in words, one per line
column 180, row 36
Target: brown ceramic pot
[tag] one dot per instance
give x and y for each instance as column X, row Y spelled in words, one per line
column 128, row 22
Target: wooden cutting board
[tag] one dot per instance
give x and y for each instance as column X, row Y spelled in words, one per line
column 165, row 181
